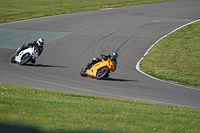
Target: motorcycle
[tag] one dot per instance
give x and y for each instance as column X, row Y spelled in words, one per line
column 25, row 56
column 99, row 70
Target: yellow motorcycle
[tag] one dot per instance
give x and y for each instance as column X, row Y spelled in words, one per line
column 99, row 70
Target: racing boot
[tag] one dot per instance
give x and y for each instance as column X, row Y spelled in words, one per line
column 33, row 61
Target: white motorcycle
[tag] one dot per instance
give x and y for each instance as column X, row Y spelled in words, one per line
column 25, row 56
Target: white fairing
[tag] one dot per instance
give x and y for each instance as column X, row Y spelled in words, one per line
column 33, row 51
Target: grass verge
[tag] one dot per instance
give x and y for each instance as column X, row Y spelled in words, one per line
column 15, row 10
column 51, row 111
column 176, row 57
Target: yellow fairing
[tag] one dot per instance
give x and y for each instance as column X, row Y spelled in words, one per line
column 108, row 64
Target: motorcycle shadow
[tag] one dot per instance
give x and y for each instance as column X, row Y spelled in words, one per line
column 41, row 65
column 123, row 80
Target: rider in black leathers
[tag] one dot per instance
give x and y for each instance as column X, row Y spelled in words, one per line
column 39, row 44
column 113, row 56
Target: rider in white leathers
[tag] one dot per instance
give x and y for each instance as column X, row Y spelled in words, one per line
column 39, row 44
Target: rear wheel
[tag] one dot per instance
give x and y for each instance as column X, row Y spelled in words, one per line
column 102, row 73
column 106, row 76
column 25, row 58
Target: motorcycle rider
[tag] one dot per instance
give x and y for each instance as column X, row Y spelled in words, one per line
column 113, row 56
column 39, row 44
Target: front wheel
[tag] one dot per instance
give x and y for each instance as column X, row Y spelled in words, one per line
column 102, row 73
column 25, row 58
column 83, row 73
column 13, row 59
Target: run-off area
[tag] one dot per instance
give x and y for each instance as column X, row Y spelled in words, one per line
column 12, row 38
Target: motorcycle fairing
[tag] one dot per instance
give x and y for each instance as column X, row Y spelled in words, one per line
column 93, row 70
column 29, row 51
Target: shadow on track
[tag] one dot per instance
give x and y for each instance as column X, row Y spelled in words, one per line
column 41, row 65
column 124, row 80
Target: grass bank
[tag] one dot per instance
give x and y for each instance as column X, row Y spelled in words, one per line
column 176, row 57
column 15, row 10
column 52, row 111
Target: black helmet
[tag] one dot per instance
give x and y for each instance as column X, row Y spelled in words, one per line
column 114, row 55
column 40, row 41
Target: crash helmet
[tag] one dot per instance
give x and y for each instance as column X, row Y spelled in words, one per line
column 40, row 42
column 114, row 55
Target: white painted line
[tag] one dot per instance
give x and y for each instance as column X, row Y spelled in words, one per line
column 138, row 64
column 106, row 9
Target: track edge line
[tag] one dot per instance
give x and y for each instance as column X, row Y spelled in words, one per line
column 138, row 63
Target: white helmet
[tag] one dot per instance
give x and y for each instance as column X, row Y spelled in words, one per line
column 40, row 42
column 114, row 55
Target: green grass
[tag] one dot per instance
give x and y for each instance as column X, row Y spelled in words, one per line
column 57, row 111
column 15, row 10
column 176, row 57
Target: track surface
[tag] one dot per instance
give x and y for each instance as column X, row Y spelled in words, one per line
column 128, row 30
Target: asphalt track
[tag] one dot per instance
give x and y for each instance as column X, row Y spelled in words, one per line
column 72, row 40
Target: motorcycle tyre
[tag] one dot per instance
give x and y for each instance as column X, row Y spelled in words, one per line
column 102, row 75
column 13, row 59
column 23, row 62
column 83, row 74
